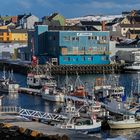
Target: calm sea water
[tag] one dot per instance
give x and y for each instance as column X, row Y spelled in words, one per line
column 129, row 81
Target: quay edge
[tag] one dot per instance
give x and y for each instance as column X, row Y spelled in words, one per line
column 37, row 131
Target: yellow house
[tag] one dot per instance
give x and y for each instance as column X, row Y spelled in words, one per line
column 4, row 27
column 19, row 35
column 130, row 23
column 5, row 36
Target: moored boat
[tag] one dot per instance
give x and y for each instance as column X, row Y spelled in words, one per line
column 85, row 124
column 8, row 84
column 133, row 67
column 127, row 122
column 51, row 94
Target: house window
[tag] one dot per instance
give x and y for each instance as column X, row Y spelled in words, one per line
column 89, row 37
column 83, row 58
column 103, row 58
column 65, row 58
column 73, row 38
column 54, row 38
column 66, row 38
column 90, row 58
column 77, row 38
column 124, row 29
column 50, row 37
column 95, row 37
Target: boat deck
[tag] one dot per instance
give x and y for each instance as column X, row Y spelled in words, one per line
column 30, row 91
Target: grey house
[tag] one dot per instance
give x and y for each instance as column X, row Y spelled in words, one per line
column 27, row 21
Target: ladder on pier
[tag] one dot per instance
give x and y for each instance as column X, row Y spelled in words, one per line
column 31, row 114
column 41, row 115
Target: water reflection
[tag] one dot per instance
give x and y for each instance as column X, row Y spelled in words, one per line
column 129, row 134
column 37, row 103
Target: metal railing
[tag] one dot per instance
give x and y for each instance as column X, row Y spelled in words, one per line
column 31, row 113
column 9, row 109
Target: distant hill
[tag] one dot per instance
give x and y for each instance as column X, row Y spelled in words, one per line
column 97, row 17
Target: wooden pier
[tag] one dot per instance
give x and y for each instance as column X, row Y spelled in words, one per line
column 63, row 69
column 87, row 69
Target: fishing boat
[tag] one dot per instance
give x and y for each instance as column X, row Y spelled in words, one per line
column 53, row 93
column 37, row 78
column 82, row 119
column 50, row 93
column 37, row 81
column 126, row 122
column 8, row 84
column 133, row 67
column 83, row 124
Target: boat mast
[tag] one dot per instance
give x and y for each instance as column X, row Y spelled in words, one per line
column 138, row 83
column 4, row 74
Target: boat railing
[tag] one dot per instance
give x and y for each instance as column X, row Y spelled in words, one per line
column 9, row 109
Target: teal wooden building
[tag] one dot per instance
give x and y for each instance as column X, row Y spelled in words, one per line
column 71, row 47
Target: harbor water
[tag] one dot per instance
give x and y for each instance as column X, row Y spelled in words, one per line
column 129, row 81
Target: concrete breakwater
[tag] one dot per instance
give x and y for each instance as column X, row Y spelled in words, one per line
column 14, row 127
column 63, row 69
column 10, row 132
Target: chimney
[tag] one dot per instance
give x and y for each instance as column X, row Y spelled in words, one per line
column 103, row 26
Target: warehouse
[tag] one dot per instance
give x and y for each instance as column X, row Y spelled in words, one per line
column 71, row 47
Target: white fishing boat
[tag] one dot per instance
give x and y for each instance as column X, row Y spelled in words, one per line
column 133, row 67
column 83, row 124
column 51, row 94
column 83, row 119
column 37, row 78
column 7, row 84
column 127, row 122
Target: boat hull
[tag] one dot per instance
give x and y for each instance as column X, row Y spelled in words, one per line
column 123, row 125
column 54, row 98
column 88, row 131
column 84, row 129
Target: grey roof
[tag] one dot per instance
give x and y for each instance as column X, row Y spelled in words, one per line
column 134, row 31
column 3, row 30
column 116, row 20
column 91, row 23
column 19, row 30
column 73, row 28
column 130, row 25
column 110, row 24
column 134, row 18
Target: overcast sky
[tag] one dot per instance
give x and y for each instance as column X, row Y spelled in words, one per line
column 68, row 8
